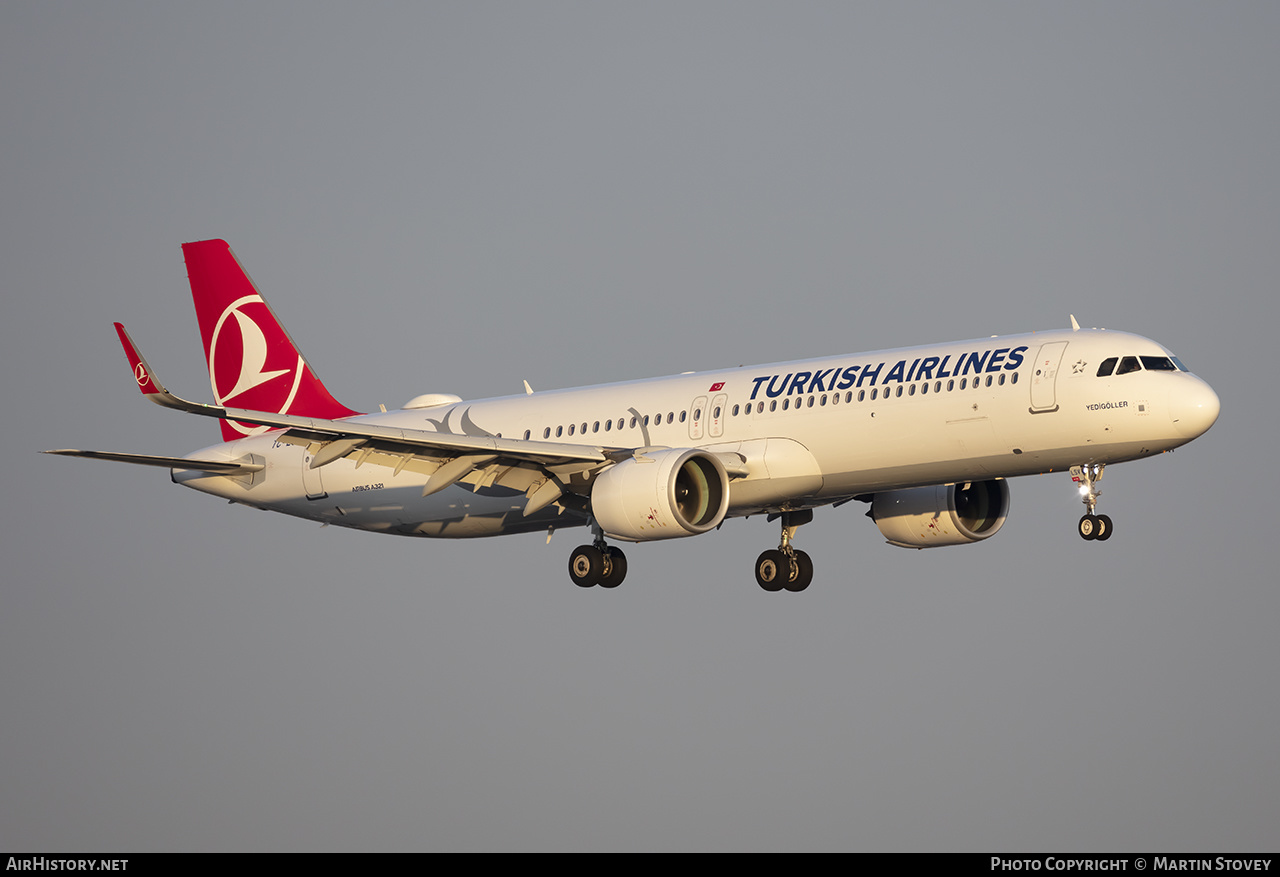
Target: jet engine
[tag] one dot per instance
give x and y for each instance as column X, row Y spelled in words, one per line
column 661, row 495
column 943, row 514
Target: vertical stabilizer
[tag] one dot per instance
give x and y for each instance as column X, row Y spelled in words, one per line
column 253, row 363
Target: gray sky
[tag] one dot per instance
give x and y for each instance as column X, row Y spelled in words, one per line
column 453, row 197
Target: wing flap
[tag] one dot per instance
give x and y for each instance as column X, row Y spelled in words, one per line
column 390, row 438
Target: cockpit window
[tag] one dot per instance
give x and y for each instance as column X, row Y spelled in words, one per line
column 1128, row 364
column 1138, row 363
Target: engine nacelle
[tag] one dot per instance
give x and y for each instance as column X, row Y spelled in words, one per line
column 661, row 495
column 944, row 514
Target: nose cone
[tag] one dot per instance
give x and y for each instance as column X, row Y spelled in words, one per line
column 1194, row 409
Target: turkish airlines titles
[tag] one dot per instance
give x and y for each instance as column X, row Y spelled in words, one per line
column 921, row 369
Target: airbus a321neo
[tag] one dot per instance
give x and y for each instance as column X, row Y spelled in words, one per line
column 927, row 436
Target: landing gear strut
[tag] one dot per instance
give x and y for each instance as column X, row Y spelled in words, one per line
column 785, row 566
column 1091, row 527
column 597, row 563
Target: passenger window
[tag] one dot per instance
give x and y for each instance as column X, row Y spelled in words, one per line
column 559, row 431
column 759, row 407
column 682, row 417
column 988, row 380
column 899, row 391
column 735, row 410
column 697, row 414
column 1001, row 381
column 1014, row 379
column 862, row 394
column 527, row 435
column 571, row 429
column 595, row 427
column 1128, row 364
column 546, row 433
column 773, row 406
column 911, row 391
column 951, row 385
column 1157, row 364
column 608, row 425
column 671, row 417
column 646, row 420
column 1107, row 367
column 873, row 395
column 810, row 401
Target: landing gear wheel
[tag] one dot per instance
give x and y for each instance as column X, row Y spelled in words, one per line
column 586, row 565
column 1089, row 527
column 1092, row 526
column 773, row 569
column 802, row 572
column 1104, row 528
column 615, row 565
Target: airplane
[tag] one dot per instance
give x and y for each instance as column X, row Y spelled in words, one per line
column 927, row 436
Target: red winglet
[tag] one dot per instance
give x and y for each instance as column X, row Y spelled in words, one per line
column 141, row 371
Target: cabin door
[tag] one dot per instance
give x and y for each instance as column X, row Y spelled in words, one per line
column 1044, row 375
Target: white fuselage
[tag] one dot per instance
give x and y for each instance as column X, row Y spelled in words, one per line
column 811, row 432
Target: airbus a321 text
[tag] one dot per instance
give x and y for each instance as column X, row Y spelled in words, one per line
column 927, row 436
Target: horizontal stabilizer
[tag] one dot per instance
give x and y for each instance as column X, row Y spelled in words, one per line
column 218, row 467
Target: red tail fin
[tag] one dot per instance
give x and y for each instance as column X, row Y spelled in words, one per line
column 253, row 363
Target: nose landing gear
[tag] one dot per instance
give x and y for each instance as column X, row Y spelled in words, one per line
column 1091, row 527
column 785, row 566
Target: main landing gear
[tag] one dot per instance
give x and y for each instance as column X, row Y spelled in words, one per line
column 1092, row 527
column 785, row 566
column 597, row 563
column 781, row 568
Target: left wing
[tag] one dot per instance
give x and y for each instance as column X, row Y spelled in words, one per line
column 542, row 469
